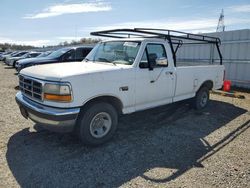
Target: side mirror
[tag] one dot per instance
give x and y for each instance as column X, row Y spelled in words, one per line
column 162, row 61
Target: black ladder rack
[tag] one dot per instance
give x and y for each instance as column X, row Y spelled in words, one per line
column 177, row 38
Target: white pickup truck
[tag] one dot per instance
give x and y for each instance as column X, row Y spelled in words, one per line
column 120, row 76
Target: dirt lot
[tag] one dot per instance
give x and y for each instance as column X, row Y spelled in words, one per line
column 171, row 146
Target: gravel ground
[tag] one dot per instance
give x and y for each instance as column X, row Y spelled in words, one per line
column 171, row 146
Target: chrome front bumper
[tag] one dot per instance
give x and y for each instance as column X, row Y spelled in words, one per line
column 55, row 119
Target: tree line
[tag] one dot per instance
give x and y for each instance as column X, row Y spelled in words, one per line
column 8, row 46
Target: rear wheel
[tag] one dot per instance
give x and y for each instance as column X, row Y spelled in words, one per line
column 201, row 99
column 97, row 124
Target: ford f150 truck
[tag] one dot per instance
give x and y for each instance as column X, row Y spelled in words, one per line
column 135, row 70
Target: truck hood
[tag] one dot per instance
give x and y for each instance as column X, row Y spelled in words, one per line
column 60, row 71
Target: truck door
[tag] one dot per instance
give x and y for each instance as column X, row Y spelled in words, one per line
column 154, row 82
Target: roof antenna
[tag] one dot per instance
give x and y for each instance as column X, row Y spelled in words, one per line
column 221, row 25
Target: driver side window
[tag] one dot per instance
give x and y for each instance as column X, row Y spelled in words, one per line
column 151, row 53
column 70, row 55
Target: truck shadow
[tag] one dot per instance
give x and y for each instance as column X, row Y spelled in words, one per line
column 171, row 138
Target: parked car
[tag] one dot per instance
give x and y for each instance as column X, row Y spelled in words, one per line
column 12, row 60
column 68, row 54
column 119, row 76
column 7, row 54
column 4, row 53
column 42, row 54
column 9, row 59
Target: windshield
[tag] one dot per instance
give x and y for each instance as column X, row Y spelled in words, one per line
column 19, row 54
column 25, row 55
column 44, row 54
column 116, row 52
column 14, row 53
column 58, row 53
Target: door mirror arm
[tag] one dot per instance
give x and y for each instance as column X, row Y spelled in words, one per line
column 150, row 66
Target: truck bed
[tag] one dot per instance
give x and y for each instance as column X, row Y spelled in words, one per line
column 189, row 79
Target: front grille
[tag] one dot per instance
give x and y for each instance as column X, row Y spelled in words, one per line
column 30, row 87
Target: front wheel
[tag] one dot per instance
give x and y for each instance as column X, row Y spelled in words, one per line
column 97, row 124
column 201, row 99
column 14, row 64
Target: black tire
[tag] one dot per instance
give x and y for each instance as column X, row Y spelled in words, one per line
column 14, row 64
column 89, row 120
column 201, row 98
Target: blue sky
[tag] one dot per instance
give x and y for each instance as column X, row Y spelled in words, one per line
column 47, row 22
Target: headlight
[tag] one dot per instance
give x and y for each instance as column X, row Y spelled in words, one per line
column 57, row 92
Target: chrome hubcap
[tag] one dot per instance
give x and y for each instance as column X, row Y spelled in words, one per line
column 100, row 125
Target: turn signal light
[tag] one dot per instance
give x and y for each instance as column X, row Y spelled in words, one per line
column 58, row 98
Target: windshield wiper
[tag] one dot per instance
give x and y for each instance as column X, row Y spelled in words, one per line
column 105, row 60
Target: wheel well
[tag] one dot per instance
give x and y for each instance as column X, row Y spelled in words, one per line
column 209, row 84
column 115, row 102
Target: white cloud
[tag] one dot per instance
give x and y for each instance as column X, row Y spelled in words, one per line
column 234, row 21
column 191, row 25
column 36, row 43
column 240, row 8
column 184, row 25
column 60, row 9
column 68, row 38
